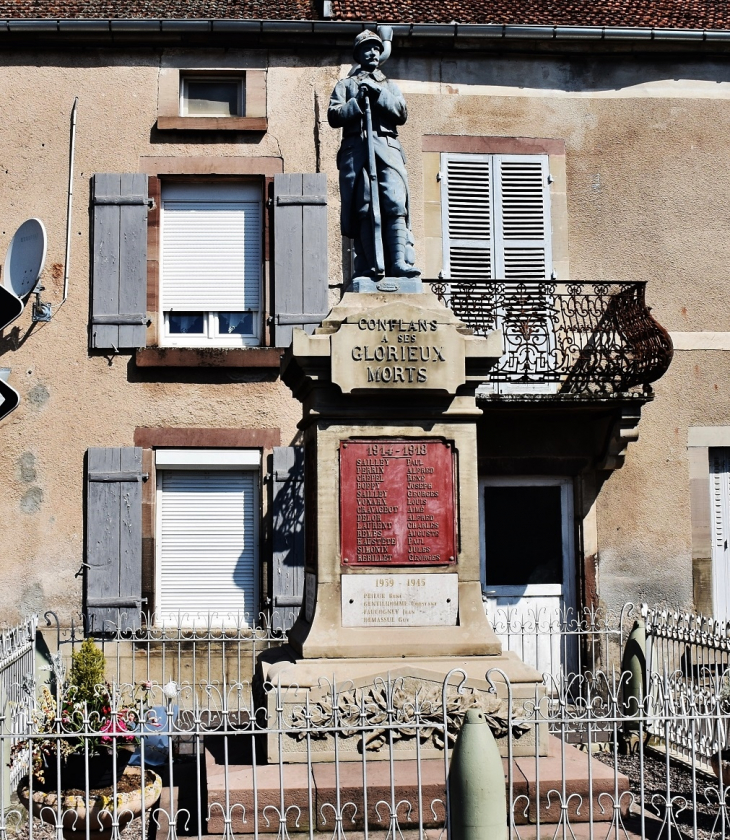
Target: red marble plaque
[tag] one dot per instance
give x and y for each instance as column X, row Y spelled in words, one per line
column 397, row 505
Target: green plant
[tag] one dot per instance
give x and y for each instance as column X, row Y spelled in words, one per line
column 83, row 712
column 87, row 671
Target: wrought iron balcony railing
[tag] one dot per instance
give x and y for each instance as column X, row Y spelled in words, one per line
column 583, row 340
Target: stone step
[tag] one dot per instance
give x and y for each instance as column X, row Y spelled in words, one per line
column 287, row 794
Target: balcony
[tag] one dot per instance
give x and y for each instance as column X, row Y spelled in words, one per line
column 566, row 341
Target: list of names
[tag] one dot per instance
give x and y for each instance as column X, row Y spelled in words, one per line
column 397, row 503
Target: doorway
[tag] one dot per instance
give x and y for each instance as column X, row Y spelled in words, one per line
column 528, row 564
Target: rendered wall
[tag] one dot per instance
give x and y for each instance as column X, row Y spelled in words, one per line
column 648, row 190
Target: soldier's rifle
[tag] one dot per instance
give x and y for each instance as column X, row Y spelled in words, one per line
column 375, row 216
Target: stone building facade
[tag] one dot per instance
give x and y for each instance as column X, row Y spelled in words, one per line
column 564, row 157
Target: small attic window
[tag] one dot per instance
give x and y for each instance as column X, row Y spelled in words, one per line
column 212, row 96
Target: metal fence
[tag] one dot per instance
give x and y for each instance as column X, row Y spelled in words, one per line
column 688, row 656
column 17, row 680
column 224, row 755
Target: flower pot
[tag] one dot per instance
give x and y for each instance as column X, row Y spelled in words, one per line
column 73, row 813
column 73, row 770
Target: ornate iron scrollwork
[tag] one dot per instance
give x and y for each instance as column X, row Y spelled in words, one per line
column 592, row 340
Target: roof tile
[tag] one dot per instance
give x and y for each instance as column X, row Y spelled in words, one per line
column 679, row 14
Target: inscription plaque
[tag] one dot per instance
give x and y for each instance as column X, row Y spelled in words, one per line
column 403, row 353
column 397, row 504
column 414, row 600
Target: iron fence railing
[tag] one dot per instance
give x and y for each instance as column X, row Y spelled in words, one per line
column 582, row 340
column 224, row 754
column 691, row 654
column 200, row 651
column 17, row 681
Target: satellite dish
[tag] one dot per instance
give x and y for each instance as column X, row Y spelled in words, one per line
column 25, row 258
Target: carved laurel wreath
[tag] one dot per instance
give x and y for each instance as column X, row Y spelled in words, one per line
column 380, row 714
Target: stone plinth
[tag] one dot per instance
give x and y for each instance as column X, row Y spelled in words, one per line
column 395, row 375
column 392, row 571
column 363, row 688
column 319, row 791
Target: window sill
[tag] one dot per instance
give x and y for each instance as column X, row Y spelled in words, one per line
column 212, row 123
column 236, row 357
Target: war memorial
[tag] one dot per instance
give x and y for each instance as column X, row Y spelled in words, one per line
column 387, row 384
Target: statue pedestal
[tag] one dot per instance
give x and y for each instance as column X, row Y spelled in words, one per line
column 392, row 572
column 401, row 285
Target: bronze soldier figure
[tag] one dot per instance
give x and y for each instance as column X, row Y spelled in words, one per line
column 373, row 178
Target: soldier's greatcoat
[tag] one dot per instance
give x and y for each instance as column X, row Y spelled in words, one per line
column 388, row 112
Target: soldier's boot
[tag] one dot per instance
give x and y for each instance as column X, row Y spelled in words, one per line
column 396, row 240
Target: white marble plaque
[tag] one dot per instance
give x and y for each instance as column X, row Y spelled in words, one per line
column 413, row 600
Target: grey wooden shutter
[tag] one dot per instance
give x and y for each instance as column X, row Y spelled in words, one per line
column 114, row 539
column 119, row 261
column 300, row 254
column 287, row 579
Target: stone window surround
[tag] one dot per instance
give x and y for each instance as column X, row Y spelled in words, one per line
column 434, row 144
column 151, row 439
column 248, row 65
column 262, row 169
column 700, row 439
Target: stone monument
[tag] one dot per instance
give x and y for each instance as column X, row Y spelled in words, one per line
column 373, row 179
column 387, row 384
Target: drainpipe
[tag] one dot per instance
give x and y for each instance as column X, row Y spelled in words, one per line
column 72, row 152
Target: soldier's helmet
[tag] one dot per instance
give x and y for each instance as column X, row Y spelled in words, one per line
column 365, row 36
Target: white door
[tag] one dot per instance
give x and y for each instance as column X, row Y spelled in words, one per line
column 720, row 500
column 528, row 567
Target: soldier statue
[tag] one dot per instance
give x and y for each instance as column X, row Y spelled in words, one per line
column 373, row 179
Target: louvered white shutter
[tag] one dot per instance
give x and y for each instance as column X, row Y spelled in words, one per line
column 720, row 500
column 522, row 217
column 211, row 248
column 466, row 215
column 207, row 546
column 495, row 217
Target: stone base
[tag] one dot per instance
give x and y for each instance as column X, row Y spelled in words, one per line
column 304, row 796
column 285, row 682
column 395, row 285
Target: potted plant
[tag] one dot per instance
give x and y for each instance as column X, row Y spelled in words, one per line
column 85, row 728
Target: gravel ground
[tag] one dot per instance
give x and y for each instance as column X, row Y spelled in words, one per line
column 686, row 804
column 42, row 831
column 688, row 801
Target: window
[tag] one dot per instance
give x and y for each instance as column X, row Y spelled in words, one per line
column 210, row 264
column 720, row 500
column 207, row 91
column 212, row 96
column 207, row 536
column 495, row 212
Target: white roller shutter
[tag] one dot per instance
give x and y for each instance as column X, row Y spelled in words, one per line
column 211, row 248
column 207, row 546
